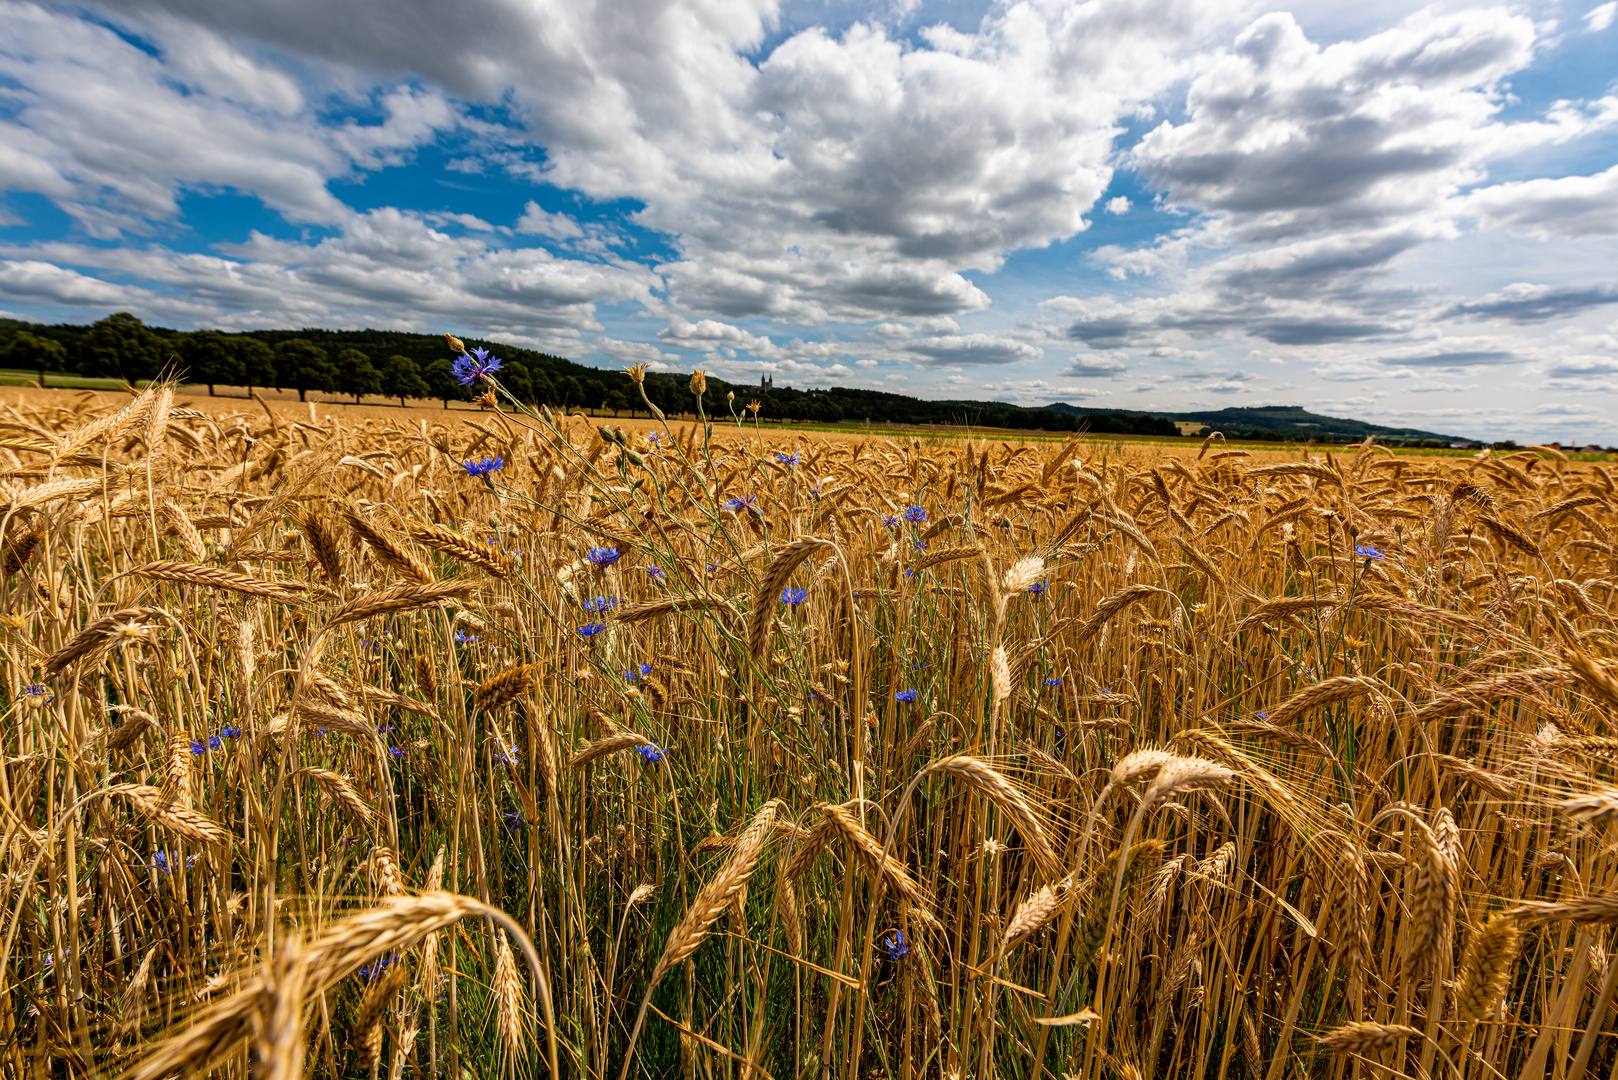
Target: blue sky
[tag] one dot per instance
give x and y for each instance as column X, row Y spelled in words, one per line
column 1409, row 216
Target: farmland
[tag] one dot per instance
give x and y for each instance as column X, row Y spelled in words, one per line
column 506, row 743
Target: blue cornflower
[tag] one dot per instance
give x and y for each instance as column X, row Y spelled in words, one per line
column 815, row 490
column 1366, row 551
column 36, row 690
column 1106, row 689
column 921, row 545
column 895, row 945
column 591, row 629
column 634, row 674
column 655, row 573
column 655, row 438
column 602, row 557
column 169, row 863
column 397, row 751
column 321, row 731
column 915, row 515
column 231, row 731
column 198, row 746
column 506, row 757
column 1262, row 715
column 372, row 970
column 475, row 365
column 600, row 604
column 794, row 596
column 1053, row 681
column 1038, row 588
column 485, row 466
column 889, row 521
column 514, row 820
column 215, row 742
column 740, row 503
column 906, row 696
column 464, row 638
column 650, row 754
column 383, row 729
column 789, row 460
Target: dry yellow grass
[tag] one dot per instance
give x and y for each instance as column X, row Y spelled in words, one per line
column 837, row 757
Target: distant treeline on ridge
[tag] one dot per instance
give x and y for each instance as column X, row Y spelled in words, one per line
column 402, row 365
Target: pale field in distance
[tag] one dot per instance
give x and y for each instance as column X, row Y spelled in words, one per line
column 794, row 755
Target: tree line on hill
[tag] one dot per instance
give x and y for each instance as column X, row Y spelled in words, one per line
column 402, row 365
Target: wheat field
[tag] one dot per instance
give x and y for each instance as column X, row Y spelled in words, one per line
column 523, row 746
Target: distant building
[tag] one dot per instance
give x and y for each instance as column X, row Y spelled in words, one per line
column 766, row 383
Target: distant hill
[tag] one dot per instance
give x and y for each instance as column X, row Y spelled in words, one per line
column 1284, row 422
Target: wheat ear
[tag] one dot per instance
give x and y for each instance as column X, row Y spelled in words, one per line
column 394, row 557
column 400, row 598
column 342, row 792
column 980, row 775
column 214, row 578
column 502, row 689
column 452, row 543
column 776, row 575
column 1365, row 1037
column 508, row 999
column 711, row 902
column 1486, row 967
column 277, row 1023
column 610, row 744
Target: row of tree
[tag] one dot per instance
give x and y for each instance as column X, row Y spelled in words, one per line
column 403, row 365
column 121, row 346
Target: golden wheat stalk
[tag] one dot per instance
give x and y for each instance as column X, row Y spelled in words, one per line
column 508, row 998
column 323, row 543
column 378, row 696
column 1365, row 1037
column 985, row 779
column 776, row 575
column 843, row 825
column 401, row 598
column 152, row 803
column 342, row 792
column 504, row 688
column 644, row 610
column 92, row 640
column 214, row 578
column 610, row 744
column 373, row 1010
column 132, row 1002
column 1486, row 967
column 107, row 427
column 1108, row 609
column 442, row 538
column 944, row 555
column 1220, row 748
column 392, row 555
column 1297, row 468
column 1601, row 909
column 277, row 1021
column 1595, row 676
